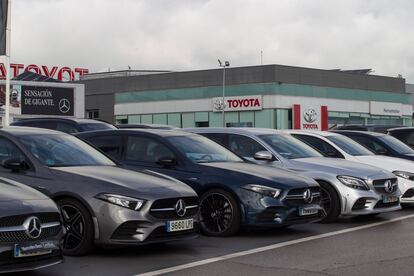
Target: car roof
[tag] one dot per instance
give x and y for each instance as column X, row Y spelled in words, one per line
column 22, row 130
column 76, row 120
column 158, row 132
column 155, row 126
column 239, row 130
column 311, row 132
column 401, row 128
column 368, row 133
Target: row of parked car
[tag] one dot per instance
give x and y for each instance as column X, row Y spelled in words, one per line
column 90, row 183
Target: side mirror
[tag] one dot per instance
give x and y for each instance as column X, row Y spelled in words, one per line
column 263, row 155
column 15, row 165
column 167, row 161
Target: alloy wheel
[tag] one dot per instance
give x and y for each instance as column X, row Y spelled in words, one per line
column 216, row 213
column 325, row 200
column 74, row 223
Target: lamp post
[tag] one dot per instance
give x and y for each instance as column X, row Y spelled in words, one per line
column 223, row 105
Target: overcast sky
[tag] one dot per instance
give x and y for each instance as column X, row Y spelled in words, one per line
column 192, row 34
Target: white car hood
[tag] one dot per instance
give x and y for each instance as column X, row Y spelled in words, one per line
column 386, row 162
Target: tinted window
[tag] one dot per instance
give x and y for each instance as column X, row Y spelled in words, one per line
column 348, row 145
column 396, row 145
column 8, row 150
column 320, row 145
column 289, row 147
column 406, row 136
column 244, row 146
column 62, row 150
column 143, row 149
column 65, row 127
column 201, row 149
column 42, row 124
column 95, row 126
column 370, row 143
column 220, row 138
column 111, row 145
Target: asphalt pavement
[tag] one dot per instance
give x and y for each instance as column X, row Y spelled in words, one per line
column 381, row 245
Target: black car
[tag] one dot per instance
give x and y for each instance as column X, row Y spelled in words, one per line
column 379, row 143
column 101, row 202
column 404, row 134
column 30, row 229
column 373, row 128
column 233, row 193
column 67, row 125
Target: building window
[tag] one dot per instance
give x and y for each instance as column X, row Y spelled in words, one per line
column 92, row 114
column 202, row 124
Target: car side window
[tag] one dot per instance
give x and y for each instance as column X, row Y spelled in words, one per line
column 65, row 127
column 244, row 146
column 320, row 145
column 111, row 145
column 48, row 125
column 9, row 150
column 143, row 149
column 219, row 138
column 370, row 144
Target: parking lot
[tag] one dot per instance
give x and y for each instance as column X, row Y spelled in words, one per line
column 380, row 245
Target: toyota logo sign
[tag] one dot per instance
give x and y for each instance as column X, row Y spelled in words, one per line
column 310, row 115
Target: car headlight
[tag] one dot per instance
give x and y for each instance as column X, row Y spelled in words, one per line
column 264, row 190
column 123, row 201
column 353, row 182
column 406, row 175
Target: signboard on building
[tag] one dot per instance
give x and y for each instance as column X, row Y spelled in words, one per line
column 310, row 117
column 60, row 73
column 40, row 100
column 386, row 108
column 239, row 103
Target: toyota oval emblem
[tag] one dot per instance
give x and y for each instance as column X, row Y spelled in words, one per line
column 219, row 104
column 307, row 196
column 33, row 227
column 310, row 115
column 180, row 208
column 64, row 105
column 388, row 187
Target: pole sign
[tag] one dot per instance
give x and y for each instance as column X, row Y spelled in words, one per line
column 37, row 100
column 310, row 117
column 240, row 103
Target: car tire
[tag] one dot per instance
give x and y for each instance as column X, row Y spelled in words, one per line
column 220, row 213
column 79, row 227
column 334, row 208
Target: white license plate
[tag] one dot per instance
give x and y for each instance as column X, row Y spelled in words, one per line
column 34, row 249
column 307, row 211
column 389, row 199
column 180, row 225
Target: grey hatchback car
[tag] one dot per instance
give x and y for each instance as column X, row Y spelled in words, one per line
column 101, row 202
column 30, row 229
column 347, row 188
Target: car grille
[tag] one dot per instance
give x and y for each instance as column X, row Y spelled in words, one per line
column 359, row 204
column 295, row 196
column 20, row 235
column 379, row 185
column 19, row 220
column 165, row 208
column 408, row 193
column 381, row 204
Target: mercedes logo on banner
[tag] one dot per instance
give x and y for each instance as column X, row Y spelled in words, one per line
column 64, row 105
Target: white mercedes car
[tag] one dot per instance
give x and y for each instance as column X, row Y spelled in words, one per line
column 338, row 146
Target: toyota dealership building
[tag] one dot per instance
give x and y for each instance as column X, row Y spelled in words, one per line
column 271, row 96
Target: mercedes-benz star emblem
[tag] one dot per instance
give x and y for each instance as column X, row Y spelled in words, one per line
column 388, row 187
column 307, row 196
column 64, row 105
column 33, row 227
column 310, row 115
column 180, row 208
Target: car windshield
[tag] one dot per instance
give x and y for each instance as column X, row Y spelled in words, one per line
column 96, row 126
column 289, row 147
column 202, row 150
column 396, row 144
column 55, row 150
column 348, row 145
